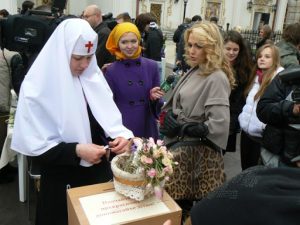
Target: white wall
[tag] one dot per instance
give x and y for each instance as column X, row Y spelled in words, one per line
column 114, row 6
column 279, row 20
column 9, row 5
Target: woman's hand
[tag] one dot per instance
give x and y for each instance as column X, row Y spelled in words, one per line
column 156, row 93
column 104, row 67
column 296, row 109
column 119, row 145
column 90, row 152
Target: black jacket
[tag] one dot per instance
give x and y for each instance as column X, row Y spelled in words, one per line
column 274, row 109
column 102, row 54
column 179, row 31
column 153, row 44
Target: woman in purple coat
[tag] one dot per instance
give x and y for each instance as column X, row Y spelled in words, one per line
column 134, row 81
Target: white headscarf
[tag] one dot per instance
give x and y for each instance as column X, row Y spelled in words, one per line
column 52, row 106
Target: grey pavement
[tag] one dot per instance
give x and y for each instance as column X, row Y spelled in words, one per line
column 232, row 159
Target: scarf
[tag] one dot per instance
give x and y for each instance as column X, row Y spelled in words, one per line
column 112, row 43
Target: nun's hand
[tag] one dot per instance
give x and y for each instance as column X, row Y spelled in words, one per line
column 119, row 145
column 90, row 152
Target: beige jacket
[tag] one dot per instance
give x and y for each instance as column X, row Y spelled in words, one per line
column 5, row 80
column 205, row 99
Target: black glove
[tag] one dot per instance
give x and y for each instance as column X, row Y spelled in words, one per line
column 197, row 130
column 170, row 126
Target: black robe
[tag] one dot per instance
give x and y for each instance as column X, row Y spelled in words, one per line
column 60, row 170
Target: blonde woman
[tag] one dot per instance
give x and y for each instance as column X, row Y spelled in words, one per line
column 267, row 66
column 198, row 113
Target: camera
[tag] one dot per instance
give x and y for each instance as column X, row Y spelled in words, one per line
column 291, row 76
column 29, row 32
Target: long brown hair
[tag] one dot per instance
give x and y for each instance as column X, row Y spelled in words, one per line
column 243, row 63
column 268, row 74
column 210, row 38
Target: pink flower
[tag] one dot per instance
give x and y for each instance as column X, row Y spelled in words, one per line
column 151, row 173
column 151, row 143
column 160, row 142
column 146, row 160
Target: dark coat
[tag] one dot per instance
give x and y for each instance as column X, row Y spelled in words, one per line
column 60, row 169
column 259, row 195
column 153, row 44
column 274, row 109
column 289, row 54
column 179, row 31
column 102, row 54
column 237, row 101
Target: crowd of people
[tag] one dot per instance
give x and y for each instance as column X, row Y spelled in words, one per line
column 104, row 89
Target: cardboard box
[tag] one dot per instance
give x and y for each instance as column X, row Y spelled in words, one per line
column 99, row 203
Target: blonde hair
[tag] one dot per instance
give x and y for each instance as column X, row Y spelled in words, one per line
column 210, row 38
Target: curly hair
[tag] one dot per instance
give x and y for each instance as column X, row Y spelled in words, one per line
column 210, row 38
column 243, row 63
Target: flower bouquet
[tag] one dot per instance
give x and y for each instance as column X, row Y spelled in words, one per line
column 143, row 170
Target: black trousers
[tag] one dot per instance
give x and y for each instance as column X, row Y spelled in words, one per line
column 186, row 206
column 3, row 129
column 250, row 150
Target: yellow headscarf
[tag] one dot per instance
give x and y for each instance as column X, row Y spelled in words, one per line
column 115, row 35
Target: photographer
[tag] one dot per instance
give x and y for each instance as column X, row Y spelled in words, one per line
column 10, row 63
column 38, row 25
column 281, row 113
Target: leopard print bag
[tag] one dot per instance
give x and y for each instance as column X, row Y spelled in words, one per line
column 200, row 170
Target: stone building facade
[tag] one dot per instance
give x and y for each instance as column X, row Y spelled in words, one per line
column 249, row 14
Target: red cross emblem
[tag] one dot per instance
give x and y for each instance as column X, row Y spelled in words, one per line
column 89, row 45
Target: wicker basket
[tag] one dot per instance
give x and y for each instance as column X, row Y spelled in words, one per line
column 130, row 185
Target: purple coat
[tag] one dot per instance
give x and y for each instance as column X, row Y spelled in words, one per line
column 131, row 81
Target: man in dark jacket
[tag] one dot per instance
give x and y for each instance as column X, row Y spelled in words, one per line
column 289, row 46
column 179, row 31
column 180, row 60
column 93, row 15
column 154, row 42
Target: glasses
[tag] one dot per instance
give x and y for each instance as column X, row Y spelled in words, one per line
column 88, row 16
